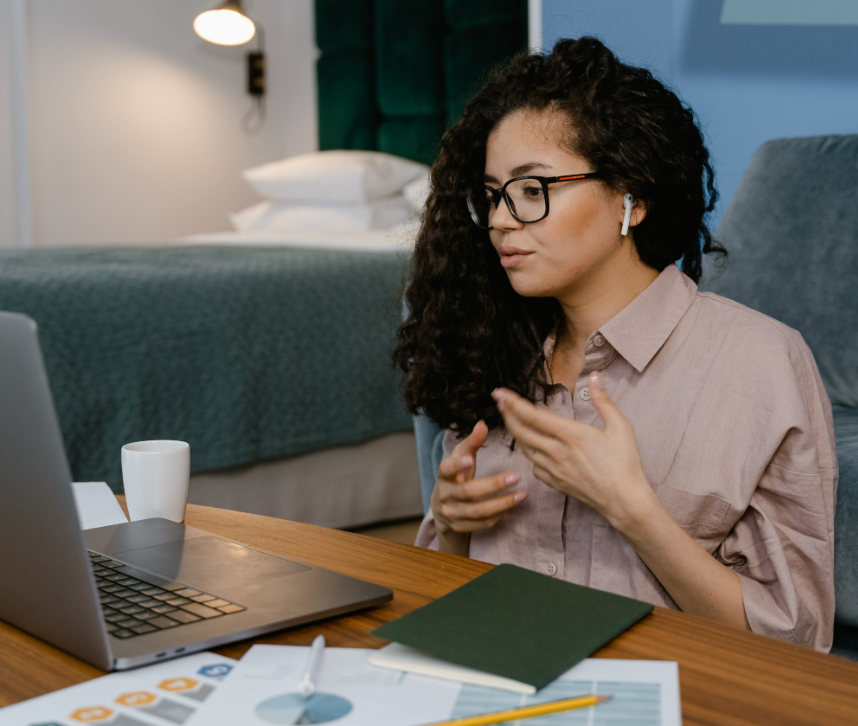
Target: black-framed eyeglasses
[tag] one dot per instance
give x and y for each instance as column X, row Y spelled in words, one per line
column 526, row 198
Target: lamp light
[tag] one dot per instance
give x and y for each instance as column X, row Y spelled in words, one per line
column 226, row 24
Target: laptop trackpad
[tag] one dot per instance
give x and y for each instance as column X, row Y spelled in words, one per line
column 211, row 563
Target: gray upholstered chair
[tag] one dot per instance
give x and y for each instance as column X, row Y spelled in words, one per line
column 792, row 233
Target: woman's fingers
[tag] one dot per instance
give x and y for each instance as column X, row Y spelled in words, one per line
column 455, row 465
column 468, row 516
column 476, row 489
column 606, row 408
column 529, row 425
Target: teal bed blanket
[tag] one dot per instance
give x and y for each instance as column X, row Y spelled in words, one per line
column 246, row 354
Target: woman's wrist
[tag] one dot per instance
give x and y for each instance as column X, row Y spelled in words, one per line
column 636, row 512
column 454, row 543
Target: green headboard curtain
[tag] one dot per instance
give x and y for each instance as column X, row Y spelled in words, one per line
column 394, row 74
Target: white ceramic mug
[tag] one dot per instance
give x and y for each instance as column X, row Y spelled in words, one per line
column 156, row 475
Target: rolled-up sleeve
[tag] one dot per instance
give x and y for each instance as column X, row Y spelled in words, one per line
column 782, row 546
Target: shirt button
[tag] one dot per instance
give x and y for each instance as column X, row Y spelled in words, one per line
column 599, row 340
column 585, row 393
column 551, row 569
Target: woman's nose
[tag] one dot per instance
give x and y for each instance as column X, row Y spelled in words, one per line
column 502, row 217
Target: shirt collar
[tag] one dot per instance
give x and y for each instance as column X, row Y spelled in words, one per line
column 639, row 330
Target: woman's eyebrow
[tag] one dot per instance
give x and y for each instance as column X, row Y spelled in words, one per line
column 520, row 170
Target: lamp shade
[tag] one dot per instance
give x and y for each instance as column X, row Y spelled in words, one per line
column 225, row 25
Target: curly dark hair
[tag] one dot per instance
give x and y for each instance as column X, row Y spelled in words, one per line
column 468, row 331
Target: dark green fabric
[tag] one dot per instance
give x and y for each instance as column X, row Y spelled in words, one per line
column 468, row 13
column 344, row 26
column 428, row 57
column 471, row 53
column 246, row 354
column 517, row 623
column 347, row 112
column 409, row 62
column 416, row 138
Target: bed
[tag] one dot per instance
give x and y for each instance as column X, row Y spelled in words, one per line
column 258, row 356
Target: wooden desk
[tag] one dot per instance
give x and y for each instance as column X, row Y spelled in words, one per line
column 726, row 676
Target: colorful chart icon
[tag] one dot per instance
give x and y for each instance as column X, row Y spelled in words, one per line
column 92, row 713
column 215, row 671
column 178, row 684
column 293, row 708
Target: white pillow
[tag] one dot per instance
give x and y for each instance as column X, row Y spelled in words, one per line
column 350, row 177
column 417, row 192
column 284, row 216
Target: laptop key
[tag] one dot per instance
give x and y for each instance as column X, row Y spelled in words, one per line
column 112, row 588
column 153, row 580
column 144, row 628
column 132, row 610
column 146, row 615
column 128, row 622
column 202, row 598
column 149, row 604
column 124, row 592
column 139, row 586
column 113, row 564
column 163, row 622
column 230, row 609
column 115, row 617
column 114, row 577
column 122, row 633
column 187, row 592
column 164, row 596
column 111, row 627
column 153, row 591
column 163, row 609
column 184, row 617
column 178, row 601
column 137, row 598
column 201, row 610
column 129, row 581
column 105, row 611
column 217, row 603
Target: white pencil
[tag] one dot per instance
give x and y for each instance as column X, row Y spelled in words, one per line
column 308, row 688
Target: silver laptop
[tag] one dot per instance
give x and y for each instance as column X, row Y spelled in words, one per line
column 130, row 594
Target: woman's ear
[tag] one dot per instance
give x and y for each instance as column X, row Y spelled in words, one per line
column 634, row 212
column 638, row 213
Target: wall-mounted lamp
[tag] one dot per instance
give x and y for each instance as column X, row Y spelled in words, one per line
column 228, row 24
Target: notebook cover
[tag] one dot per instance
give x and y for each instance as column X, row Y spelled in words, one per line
column 517, row 624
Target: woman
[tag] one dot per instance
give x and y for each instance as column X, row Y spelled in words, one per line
column 607, row 423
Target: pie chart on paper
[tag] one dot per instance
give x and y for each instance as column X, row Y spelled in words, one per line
column 293, row 708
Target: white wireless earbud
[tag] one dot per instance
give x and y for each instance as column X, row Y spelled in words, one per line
column 628, row 203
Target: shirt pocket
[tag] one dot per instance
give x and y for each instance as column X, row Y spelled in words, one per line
column 703, row 516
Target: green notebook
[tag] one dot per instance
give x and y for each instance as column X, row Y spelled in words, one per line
column 517, row 623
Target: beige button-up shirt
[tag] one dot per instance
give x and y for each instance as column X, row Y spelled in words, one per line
column 735, row 432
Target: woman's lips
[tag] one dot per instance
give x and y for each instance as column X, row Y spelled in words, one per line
column 512, row 256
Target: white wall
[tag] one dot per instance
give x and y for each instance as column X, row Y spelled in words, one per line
column 134, row 121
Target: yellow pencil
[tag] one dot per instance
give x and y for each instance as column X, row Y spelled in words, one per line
column 526, row 712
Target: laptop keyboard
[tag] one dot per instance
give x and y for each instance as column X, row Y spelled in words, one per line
column 135, row 602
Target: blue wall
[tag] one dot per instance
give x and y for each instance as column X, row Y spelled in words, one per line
column 746, row 83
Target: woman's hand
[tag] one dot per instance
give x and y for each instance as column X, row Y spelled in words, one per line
column 601, row 468
column 462, row 504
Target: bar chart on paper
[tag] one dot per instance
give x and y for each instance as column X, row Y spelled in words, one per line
column 630, row 703
column 264, row 689
column 165, row 694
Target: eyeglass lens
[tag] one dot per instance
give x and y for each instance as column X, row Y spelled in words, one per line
column 526, row 201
